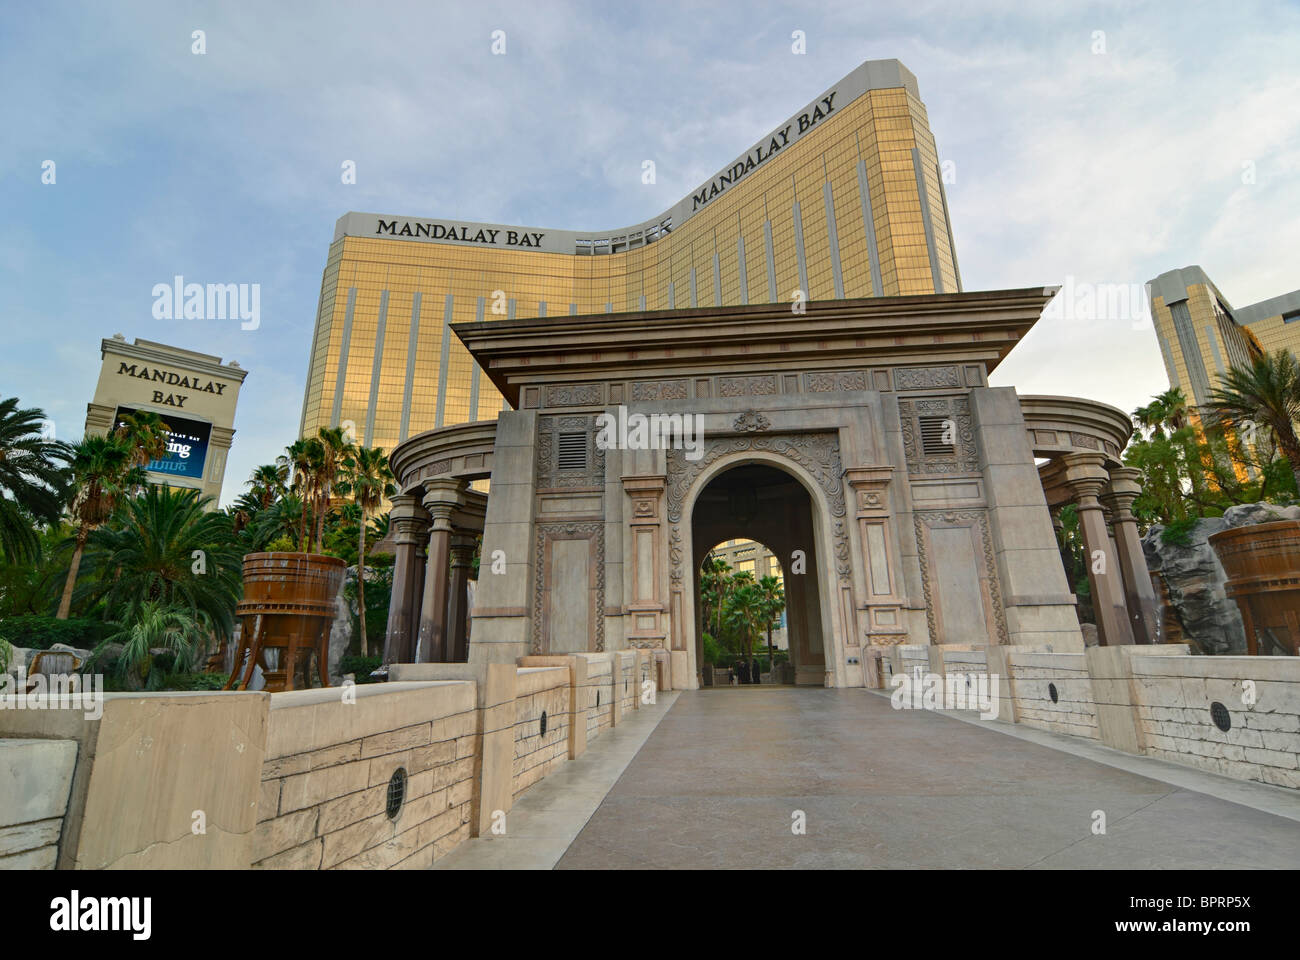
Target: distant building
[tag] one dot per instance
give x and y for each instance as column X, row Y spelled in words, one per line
column 1201, row 334
column 194, row 393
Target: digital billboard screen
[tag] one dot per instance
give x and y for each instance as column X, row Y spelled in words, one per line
column 187, row 445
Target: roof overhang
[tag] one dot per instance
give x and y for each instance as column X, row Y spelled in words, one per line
column 937, row 328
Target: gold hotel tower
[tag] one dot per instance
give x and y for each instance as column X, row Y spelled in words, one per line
column 844, row 199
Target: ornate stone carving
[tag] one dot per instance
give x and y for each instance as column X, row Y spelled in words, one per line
column 836, row 381
column 818, row 453
column 548, row 472
column 659, row 390
column 751, row 421
column 926, row 378
column 747, row 386
column 921, row 520
column 675, row 556
column 1085, row 441
column 963, row 459
column 592, row 531
column 572, row 395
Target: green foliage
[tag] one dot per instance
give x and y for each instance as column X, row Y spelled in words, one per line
column 164, row 546
column 195, row 681
column 42, row 632
column 33, row 480
column 279, row 545
column 149, row 624
column 1178, row 532
column 360, row 667
column 712, row 652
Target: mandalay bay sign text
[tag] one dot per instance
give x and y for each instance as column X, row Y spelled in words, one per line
column 764, row 151
column 465, row 234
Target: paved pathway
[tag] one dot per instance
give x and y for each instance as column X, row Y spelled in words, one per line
column 716, row 783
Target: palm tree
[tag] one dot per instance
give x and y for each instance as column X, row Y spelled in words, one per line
column 715, row 585
column 1268, row 394
column 167, row 547
column 268, row 482
column 368, row 480
column 326, row 453
column 145, row 434
column 772, row 597
column 32, row 480
column 1166, row 410
column 297, row 459
column 148, row 624
column 103, row 473
column 745, row 613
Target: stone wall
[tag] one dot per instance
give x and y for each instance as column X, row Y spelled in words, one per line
column 540, row 690
column 1260, row 695
column 1036, row 676
column 35, row 779
column 323, row 799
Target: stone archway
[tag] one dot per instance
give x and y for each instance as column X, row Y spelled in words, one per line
column 808, row 463
column 759, row 501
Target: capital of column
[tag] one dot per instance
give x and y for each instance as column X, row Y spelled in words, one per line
column 1086, row 478
column 1125, row 486
column 462, row 550
column 870, row 486
column 646, row 492
column 441, row 499
column 408, row 518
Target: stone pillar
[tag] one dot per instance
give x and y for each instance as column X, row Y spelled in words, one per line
column 1085, row 473
column 441, row 498
column 409, row 521
column 1143, row 608
column 462, row 559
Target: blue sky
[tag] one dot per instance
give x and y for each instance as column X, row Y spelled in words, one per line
column 1103, row 167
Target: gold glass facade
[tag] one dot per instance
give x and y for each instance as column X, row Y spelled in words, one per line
column 845, row 200
column 1201, row 334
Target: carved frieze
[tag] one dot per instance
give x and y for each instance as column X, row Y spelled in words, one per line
column 751, row 421
column 926, row 378
column 747, row 386
column 659, row 390
column 835, row 381
column 572, row 395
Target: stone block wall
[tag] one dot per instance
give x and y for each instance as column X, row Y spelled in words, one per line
column 1033, row 677
column 540, row 690
column 35, row 780
column 323, row 801
column 598, row 694
column 1261, row 698
column 964, row 661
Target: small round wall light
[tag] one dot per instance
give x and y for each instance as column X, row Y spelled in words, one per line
column 1221, row 717
column 1053, row 692
column 396, row 792
column 543, row 723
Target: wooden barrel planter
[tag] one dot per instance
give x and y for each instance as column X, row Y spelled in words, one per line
column 288, row 607
column 1262, row 562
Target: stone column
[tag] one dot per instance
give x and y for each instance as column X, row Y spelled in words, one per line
column 1086, row 475
column 1143, row 608
column 409, row 522
column 441, row 498
column 462, row 559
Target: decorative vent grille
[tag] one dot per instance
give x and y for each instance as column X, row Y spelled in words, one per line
column 573, row 451
column 932, row 436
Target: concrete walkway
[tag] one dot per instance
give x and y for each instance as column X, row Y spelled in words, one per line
column 718, row 782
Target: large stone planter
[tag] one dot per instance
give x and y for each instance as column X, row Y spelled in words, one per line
column 286, row 614
column 1262, row 563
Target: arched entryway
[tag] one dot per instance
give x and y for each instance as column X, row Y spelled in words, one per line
column 754, row 500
